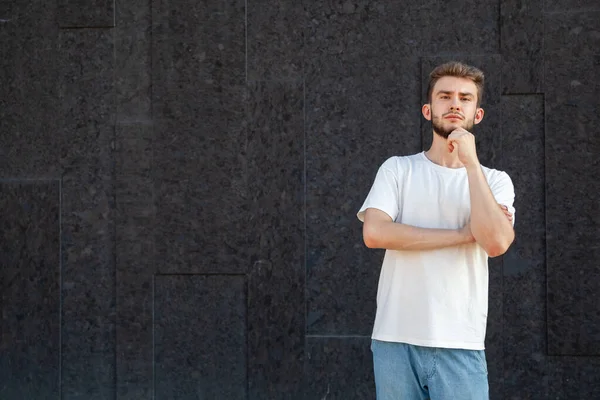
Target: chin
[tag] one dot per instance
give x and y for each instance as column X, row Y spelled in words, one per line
column 465, row 125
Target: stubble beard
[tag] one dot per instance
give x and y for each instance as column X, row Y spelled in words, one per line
column 438, row 126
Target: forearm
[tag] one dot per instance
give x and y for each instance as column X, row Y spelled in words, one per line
column 489, row 225
column 395, row 236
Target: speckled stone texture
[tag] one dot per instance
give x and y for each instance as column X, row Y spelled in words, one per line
column 522, row 46
column 200, row 336
column 135, row 208
column 571, row 35
column 275, row 39
column 29, row 289
column 86, row 97
column 571, row 378
column 86, row 13
column 135, row 244
column 574, row 6
column 349, row 35
column 195, row 45
column 572, row 188
column 133, row 49
column 198, row 106
column 200, row 184
column 28, row 106
column 339, row 368
column 276, row 306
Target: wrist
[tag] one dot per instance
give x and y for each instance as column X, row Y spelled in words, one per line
column 473, row 166
column 465, row 235
column 469, row 238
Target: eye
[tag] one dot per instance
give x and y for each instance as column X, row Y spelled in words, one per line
column 466, row 99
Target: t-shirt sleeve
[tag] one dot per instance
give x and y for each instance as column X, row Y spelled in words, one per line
column 504, row 192
column 384, row 194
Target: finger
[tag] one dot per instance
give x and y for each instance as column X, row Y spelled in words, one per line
column 454, row 145
column 459, row 131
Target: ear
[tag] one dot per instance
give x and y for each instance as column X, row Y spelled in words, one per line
column 478, row 115
column 426, row 110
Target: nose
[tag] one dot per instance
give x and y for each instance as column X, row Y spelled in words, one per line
column 455, row 105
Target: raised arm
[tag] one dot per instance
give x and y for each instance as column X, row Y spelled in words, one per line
column 489, row 225
column 380, row 232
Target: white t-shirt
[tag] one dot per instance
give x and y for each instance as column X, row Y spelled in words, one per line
column 435, row 298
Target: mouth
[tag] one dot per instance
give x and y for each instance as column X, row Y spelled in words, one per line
column 453, row 117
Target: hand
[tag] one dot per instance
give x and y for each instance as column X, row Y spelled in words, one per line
column 462, row 142
column 506, row 212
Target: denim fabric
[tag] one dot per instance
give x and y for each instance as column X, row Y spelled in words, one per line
column 407, row 372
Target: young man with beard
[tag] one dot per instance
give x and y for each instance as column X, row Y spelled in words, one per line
column 439, row 214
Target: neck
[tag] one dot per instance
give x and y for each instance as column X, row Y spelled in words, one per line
column 440, row 154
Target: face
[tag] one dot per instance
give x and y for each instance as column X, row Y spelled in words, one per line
column 453, row 105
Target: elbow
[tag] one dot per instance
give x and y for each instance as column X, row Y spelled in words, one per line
column 496, row 251
column 370, row 237
column 370, row 244
column 499, row 247
column 494, row 242
column 370, row 241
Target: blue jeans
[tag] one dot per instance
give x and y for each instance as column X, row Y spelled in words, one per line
column 407, row 372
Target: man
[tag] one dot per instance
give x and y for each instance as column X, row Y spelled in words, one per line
column 439, row 214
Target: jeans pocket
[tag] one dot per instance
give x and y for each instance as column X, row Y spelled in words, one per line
column 480, row 355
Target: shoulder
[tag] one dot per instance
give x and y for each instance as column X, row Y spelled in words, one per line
column 402, row 163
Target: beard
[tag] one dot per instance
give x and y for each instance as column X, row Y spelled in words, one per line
column 438, row 125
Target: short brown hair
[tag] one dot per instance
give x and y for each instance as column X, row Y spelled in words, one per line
column 459, row 70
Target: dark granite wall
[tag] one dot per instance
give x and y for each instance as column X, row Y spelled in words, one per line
column 179, row 182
